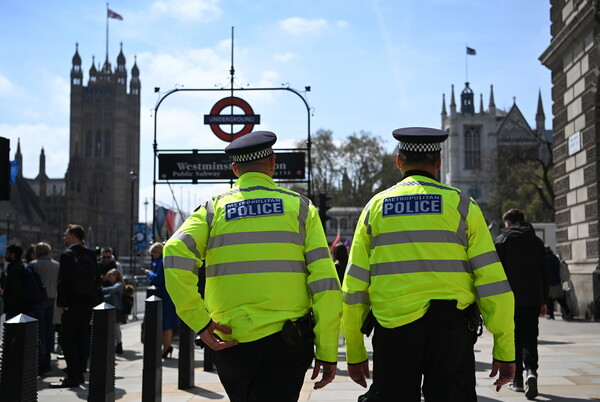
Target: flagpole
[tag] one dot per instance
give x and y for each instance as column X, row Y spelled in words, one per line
column 106, row 31
column 466, row 63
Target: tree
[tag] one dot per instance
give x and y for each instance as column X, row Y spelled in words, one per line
column 325, row 158
column 525, row 181
column 363, row 161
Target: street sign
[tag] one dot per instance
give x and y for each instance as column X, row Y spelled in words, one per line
column 217, row 166
column 215, row 118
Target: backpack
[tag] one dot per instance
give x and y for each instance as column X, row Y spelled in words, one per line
column 33, row 288
column 87, row 281
column 127, row 303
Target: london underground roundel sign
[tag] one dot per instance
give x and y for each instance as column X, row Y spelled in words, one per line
column 215, row 119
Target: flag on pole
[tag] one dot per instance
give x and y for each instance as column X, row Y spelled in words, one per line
column 471, row 51
column 112, row 14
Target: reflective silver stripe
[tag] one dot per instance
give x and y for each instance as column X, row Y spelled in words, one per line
column 317, row 254
column 414, row 266
column 302, row 215
column 484, row 259
column 173, row 261
column 356, row 298
column 255, row 267
column 492, row 289
column 188, row 241
column 463, row 210
column 323, row 284
column 232, row 239
column 414, row 236
column 358, row 273
column 210, row 212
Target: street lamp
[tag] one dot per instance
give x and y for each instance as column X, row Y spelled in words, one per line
column 133, row 177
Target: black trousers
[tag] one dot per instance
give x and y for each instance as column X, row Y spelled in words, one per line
column 428, row 352
column 263, row 370
column 75, row 340
column 526, row 334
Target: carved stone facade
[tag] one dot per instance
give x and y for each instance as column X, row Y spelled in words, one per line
column 476, row 139
column 573, row 57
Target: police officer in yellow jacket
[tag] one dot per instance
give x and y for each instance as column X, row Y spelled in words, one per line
column 272, row 292
column 421, row 255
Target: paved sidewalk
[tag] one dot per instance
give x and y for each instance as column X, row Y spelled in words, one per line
column 569, row 371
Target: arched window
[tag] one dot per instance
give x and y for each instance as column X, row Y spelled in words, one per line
column 472, row 147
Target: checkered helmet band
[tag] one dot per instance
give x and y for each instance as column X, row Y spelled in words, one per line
column 253, row 156
column 414, row 147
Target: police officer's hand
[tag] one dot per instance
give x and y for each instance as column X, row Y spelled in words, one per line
column 543, row 310
column 507, row 373
column 359, row 373
column 328, row 373
column 210, row 340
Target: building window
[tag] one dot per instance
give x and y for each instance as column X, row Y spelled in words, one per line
column 89, row 143
column 107, row 143
column 98, row 151
column 472, row 147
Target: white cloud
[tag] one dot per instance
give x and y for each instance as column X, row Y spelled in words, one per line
column 300, row 26
column 34, row 137
column 6, row 86
column 285, row 57
column 188, row 10
column 341, row 24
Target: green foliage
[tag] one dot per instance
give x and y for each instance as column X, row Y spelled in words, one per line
column 351, row 170
column 525, row 182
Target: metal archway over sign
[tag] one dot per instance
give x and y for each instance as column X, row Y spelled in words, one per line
column 209, row 166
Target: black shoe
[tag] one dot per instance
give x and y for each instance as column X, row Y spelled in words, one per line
column 531, row 390
column 65, row 383
column 168, row 352
column 119, row 348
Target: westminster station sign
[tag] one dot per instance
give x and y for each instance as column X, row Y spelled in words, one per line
column 217, row 166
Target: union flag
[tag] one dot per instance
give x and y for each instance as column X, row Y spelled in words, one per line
column 112, row 14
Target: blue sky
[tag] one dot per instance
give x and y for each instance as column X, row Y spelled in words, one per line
column 371, row 65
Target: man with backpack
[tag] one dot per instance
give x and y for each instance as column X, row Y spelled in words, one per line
column 78, row 291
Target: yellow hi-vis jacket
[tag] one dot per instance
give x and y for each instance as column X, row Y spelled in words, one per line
column 266, row 261
column 418, row 241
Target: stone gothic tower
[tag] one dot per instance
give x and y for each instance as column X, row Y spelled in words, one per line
column 470, row 155
column 104, row 149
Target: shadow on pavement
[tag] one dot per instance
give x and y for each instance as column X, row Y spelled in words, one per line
column 204, row 393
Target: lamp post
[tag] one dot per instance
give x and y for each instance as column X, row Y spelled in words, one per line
column 133, row 177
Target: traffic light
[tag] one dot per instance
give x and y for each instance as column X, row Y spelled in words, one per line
column 4, row 169
column 323, row 208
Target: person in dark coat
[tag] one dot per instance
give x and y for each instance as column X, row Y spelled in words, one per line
column 78, row 291
column 523, row 257
column 156, row 277
column 15, row 302
column 556, row 292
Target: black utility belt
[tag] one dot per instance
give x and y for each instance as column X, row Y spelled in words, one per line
column 297, row 332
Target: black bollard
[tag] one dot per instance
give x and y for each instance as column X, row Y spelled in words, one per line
column 102, row 356
column 18, row 378
column 152, row 370
column 152, row 291
column 186, row 356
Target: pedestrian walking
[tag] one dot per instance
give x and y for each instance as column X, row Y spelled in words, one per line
column 421, row 256
column 113, row 288
column 523, row 257
column 272, row 292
